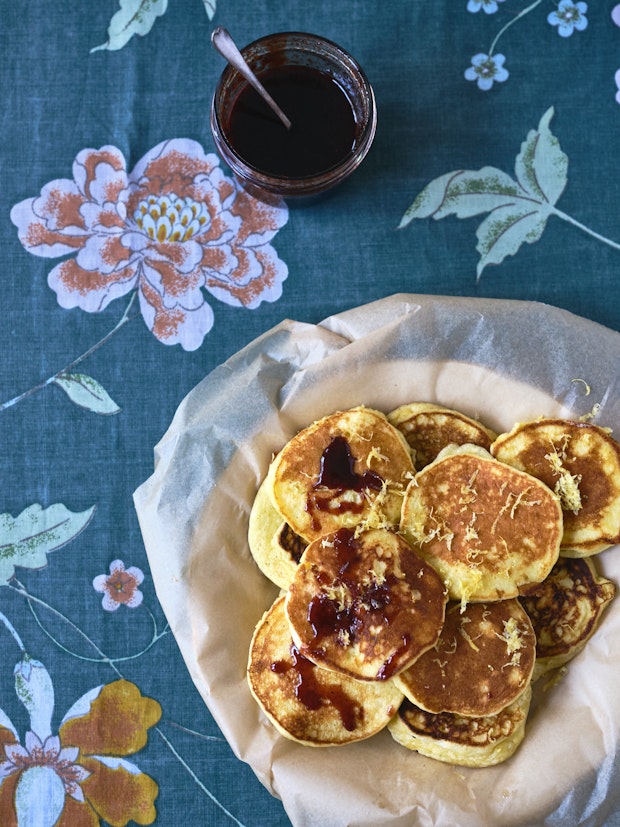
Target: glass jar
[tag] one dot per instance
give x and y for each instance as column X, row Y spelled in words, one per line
column 304, row 70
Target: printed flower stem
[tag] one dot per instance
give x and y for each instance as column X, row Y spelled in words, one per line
column 193, row 731
column 565, row 217
column 11, row 629
column 193, row 775
column 103, row 658
column 20, row 589
column 510, row 23
column 123, row 321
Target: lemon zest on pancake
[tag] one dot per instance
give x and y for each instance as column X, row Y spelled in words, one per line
column 377, row 572
column 442, row 666
column 468, row 638
column 471, row 534
column 513, row 637
column 472, row 553
column 567, row 484
column 340, row 595
column 521, row 501
column 425, row 534
column 375, row 454
column 452, row 648
column 344, row 638
column 375, row 518
column 567, row 489
column 468, row 584
column 513, row 501
column 469, row 494
column 351, row 433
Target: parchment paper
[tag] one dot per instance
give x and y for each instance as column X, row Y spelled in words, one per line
column 502, row 361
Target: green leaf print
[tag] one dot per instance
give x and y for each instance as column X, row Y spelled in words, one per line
column 133, row 17
column 210, row 6
column 504, row 230
column 518, row 207
column 464, row 193
column 87, row 393
column 26, row 540
column 541, row 167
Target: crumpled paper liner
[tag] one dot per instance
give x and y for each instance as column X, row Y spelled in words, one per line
column 503, row 361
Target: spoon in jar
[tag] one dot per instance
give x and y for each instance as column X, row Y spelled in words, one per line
column 225, row 45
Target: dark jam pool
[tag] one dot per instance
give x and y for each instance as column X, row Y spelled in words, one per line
column 323, row 127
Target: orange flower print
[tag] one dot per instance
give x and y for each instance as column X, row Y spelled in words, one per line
column 172, row 228
column 80, row 776
column 120, row 586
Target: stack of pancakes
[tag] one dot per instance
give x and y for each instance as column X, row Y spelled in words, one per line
column 430, row 570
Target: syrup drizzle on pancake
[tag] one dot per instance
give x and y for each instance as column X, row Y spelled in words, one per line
column 337, row 476
column 338, row 469
column 364, row 603
column 341, row 470
column 328, row 616
column 313, row 695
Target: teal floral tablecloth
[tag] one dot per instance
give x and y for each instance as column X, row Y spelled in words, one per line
column 132, row 265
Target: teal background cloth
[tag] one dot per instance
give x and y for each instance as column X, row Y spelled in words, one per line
column 91, row 376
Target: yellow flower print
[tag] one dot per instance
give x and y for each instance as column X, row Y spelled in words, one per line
column 81, row 775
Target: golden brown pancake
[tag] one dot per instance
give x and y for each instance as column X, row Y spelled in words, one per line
column 274, row 545
column 428, row 428
column 487, row 528
column 565, row 610
column 482, row 662
column 454, row 739
column 342, row 470
column 308, row 704
column 364, row 605
column 581, row 462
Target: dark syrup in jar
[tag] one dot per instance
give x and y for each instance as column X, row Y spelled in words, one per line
column 323, row 127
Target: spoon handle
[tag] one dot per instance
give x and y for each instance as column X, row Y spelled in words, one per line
column 225, row 45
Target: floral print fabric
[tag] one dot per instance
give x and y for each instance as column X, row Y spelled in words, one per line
column 483, row 122
column 81, row 773
column 120, row 586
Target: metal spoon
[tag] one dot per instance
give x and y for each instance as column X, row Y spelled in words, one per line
column 225, row 45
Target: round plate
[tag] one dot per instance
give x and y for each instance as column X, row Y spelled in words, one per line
column 500, row 361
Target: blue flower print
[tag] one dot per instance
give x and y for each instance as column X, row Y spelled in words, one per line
column 486, row 69
column 570, row 16
column 488, row 6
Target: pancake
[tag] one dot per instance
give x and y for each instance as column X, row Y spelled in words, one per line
column 365, row 605
column 467, row 742
column 428, row 428
column 273, row 544
column 566, row 610
column 482, row 662
column 344, row 469
column 487, row 528
column 306, row 703
column 581, row 462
